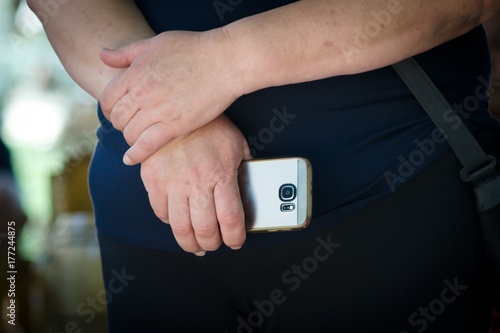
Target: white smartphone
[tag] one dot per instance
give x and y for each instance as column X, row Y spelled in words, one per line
column 276, row 193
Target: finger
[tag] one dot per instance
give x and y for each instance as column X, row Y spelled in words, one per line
column 180, row 221
column 230, row 212
column 157, row 199
column 119, row 58
column 123, row 111
column 147, row 143
column 159, row 203
column 130, row 103
column 112, row 93
column 124, row 56
column 204, row 220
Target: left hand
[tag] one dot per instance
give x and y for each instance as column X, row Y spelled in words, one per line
column 175, row 83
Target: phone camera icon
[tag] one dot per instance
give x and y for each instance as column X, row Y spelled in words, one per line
column 287, row 192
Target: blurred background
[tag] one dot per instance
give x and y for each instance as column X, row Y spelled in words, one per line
column 47, row 127
column 47, row 135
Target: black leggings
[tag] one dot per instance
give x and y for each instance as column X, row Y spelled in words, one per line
column 412, row 262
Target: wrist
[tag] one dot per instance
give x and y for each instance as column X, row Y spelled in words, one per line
column 246, row 61
column 266, row 53
column 221, row 54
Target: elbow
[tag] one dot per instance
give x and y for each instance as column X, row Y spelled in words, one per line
column 467, row 16
column 42, row 9
column 489, row 9
column 478, row 12
column 34, row 5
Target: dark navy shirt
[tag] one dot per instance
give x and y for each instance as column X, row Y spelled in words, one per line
column 364, row 134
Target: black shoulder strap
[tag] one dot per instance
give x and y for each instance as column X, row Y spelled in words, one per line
column 477, row 165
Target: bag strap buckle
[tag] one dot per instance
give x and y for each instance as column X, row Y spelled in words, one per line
column 480, row 173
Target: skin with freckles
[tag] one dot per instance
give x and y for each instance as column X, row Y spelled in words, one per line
column 183, row 80
column 191, row 199
column 167, row 93
column 161, row 102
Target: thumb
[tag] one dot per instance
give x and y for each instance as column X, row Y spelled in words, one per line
column 123, row 56
column 152, row 139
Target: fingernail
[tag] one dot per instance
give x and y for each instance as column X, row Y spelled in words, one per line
column 126, row 160
column 236, row 248
column 200, row 254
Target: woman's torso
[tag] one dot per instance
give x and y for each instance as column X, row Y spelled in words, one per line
column 364, row 134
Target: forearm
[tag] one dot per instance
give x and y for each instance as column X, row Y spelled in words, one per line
column 315, row 39
column 78, row 30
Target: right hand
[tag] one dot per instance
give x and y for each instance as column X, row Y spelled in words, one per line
column 192, row 183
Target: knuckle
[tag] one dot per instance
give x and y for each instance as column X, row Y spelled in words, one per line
column 129, row 135
column 140, row 92
column 227, row 177
column 181, row 230
column 205, row 230
column 204, row 198
column 146, row 144
column 231, row 220
column 104, row 102
column 116, row 117
column 137, row 93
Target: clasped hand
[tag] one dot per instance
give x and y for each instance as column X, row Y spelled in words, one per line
column 172, row 84
column 168, row 103
column 192, row 183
